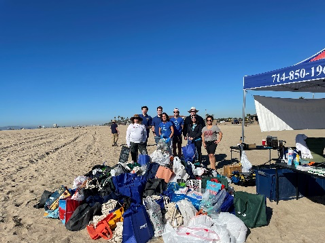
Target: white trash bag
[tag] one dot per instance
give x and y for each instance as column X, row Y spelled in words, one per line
column 179, row 171
column 161, row 158
column 234, row 225
column 189, row 235
column 187, row 210
column 245, row 162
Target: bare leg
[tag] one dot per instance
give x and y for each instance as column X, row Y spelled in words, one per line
column 212, row 160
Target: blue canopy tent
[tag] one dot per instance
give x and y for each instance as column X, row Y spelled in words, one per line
column 306, row 76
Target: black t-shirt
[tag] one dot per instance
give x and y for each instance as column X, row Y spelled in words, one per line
column 113, row 128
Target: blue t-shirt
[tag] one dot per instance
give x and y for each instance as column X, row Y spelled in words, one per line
column 113, row 128
column 155, row 122
column 177, row 122
column 147, row 121
column 166, row 129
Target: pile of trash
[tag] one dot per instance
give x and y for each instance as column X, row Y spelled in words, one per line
column 160, row 195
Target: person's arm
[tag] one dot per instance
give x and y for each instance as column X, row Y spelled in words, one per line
column 185, row 129
column 203, row 122
column 203, row 141
column 159, row 131
column 128, row 133
column 182, row 125
column 145, row 134
column 220, row 137
column 172, row 133
column 149, row 123
column 153, row 127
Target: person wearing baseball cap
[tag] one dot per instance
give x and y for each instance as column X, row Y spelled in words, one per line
column 188, row 120
column 178, row 123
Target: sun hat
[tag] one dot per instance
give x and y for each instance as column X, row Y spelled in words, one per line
column 136, row 116
column 113, row 121
column 193, row 109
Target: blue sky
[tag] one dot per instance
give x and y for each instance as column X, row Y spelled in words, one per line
column 84, row 62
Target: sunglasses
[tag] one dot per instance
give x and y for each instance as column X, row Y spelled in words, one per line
column 176, row 111
column 209, row 120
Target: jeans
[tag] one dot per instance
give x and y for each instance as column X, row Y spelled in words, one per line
column 198, row 145
column 134, row 150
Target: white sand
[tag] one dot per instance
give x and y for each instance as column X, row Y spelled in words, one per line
column 35, row 160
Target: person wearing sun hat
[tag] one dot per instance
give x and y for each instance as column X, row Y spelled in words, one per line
column 115, row 132
column 188, row 120
column 136, row 136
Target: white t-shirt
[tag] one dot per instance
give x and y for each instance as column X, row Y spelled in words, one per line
column 136, row 133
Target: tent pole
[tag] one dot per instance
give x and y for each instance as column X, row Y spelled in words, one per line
column 244, row 106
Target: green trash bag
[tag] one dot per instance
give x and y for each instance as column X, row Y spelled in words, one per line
column 251, row 209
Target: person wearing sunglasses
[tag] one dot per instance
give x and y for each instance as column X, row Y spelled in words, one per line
column 210, row 140
column 178, row 123
column 194, row 132
column 188, row 120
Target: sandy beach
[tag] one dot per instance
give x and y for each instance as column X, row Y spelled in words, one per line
column 44, row 159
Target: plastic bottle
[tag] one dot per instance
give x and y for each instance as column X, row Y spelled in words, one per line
column 296, row 160
column 290, row 156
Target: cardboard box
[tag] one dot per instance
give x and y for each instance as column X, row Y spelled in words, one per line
column 251, row 146
column 228, row 169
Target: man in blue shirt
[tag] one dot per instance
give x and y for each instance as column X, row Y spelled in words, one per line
column 115, row 132
column 178, row 123
column 155, row 124
column 146, row 120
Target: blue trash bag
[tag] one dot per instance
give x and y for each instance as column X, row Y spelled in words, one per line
column 189, row 152
column 171, row 188
column 143, row 159
column 151, row 171
column 228, row 204
column 137, row 227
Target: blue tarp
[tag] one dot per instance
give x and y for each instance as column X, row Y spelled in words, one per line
column 306, row 76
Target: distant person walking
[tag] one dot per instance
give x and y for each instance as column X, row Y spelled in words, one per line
column 115, row 132
column 136, row 136
column 166, row 131
column 188, row 120
column 210, row 140
column 178, row 123
column 146, row 120
column 194, row 133
column 155, row 124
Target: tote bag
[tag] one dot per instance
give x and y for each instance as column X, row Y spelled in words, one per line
column 137, row 227
column 251, row 209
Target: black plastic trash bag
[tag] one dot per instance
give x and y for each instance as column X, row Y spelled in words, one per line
column 81, row 217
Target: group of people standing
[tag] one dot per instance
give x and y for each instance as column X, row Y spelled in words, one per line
column 193, row 129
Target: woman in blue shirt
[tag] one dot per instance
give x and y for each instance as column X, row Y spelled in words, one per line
column 166, row 130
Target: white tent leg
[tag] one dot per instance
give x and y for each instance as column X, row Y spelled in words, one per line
column 243, row 122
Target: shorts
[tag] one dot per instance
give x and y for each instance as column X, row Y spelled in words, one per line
column 177, row 139
column 211, row 147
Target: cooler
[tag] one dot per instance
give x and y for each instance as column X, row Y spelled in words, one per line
column 266, row 184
